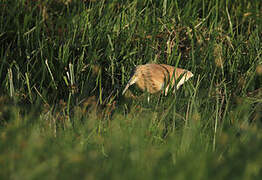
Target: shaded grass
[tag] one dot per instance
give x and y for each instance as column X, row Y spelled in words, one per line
column 64, row 65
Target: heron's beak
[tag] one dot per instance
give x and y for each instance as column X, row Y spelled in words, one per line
column 130, row 82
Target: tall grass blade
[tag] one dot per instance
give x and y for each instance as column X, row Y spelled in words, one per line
column 11, row 83
column 50, row 72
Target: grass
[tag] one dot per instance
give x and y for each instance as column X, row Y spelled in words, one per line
column 64, row 65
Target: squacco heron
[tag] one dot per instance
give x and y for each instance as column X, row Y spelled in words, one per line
column 155, row 77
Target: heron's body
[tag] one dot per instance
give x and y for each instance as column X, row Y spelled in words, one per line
column 155, row 77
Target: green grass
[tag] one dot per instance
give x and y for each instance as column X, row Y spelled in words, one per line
column 64, row 65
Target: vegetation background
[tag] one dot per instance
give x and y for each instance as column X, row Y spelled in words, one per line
column 64, row 64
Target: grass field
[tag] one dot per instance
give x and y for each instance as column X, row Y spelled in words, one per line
column 64, row 64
